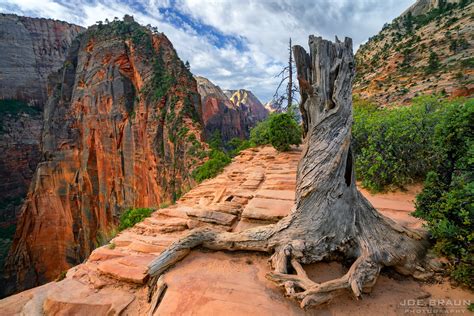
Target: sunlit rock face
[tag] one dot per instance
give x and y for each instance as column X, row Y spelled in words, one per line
column 121, row 127
column 232, row 113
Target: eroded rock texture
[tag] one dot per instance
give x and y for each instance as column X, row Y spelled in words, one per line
column 30, row 49
column 230, row 116
column 251, row 110
column 119, row 126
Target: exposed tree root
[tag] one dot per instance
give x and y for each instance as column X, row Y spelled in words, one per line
column 331, row 219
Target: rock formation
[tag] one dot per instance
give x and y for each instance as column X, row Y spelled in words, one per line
column 251, row 109
column 112, row 279
column 232, row 113
column 30, row 49
column 120, row 130
column 218, row 113
column 428, row 49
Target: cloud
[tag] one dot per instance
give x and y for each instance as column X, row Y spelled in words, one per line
column 236, row 44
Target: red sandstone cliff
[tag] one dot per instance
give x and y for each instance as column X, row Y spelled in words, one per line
column 232, row 114
column 119, row 127
column 30, row 49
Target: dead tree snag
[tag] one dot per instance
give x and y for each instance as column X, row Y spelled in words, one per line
column 331, row 220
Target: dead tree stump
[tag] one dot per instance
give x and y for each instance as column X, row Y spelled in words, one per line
column 331, row 220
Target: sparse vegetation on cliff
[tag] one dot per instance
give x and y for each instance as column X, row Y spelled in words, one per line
column 132, row 216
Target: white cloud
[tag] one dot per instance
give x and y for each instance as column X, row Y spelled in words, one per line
column 263, row 25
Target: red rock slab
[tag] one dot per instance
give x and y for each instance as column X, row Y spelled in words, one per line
column 24, row 303
column 212, row 217
column 146, row 247
column 119, row 270
column 225, row 207
column 179, row 211
column 104, row 253
column 70, row 297
column 244, row 225
column 267, row 209
column 288, row 195
column 221, row 284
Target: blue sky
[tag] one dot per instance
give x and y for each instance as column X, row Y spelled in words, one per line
column 234, row 43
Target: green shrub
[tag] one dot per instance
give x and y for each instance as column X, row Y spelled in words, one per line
column 216, row 163
column 236, row 145
column 260, row 134
column 447, row 200
column 132, row 216
column 433, row 63
column 280, row 130
column 103, row 236
column 284, row 131
column 432, row 139
column 394, row 147
column 14, row 107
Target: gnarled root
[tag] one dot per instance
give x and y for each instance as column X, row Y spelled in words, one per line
column 253, row 239
column 360, row 278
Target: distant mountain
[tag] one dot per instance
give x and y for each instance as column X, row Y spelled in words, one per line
column 428, row 49
column 232, row 113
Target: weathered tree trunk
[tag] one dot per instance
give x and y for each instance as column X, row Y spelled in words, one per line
column 290, row 77
column 331, row 219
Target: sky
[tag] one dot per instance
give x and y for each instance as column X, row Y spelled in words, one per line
column 237, row 44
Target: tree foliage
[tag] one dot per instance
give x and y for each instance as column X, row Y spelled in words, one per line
column 394, row 147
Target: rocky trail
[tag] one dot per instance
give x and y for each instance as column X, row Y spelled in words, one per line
column 257, row 188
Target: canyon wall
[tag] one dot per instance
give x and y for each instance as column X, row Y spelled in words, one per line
column 30, row 49
column 232, row 113
column 120, row 130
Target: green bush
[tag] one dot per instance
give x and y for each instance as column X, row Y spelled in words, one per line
column 260, row 134
column 433, row 140
column 132, row 216
column 394, row 147
column 212, row 167
column 236, row 145
column 284, row 131
column 280, row 130
column 447, row 200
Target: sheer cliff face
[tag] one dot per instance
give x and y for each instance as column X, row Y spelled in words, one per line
column 119, row 128
column 250, row 108
column 232, row 116
column 31, row 49
column 218, row 113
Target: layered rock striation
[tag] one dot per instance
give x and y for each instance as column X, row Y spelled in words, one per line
column 121, row 128
column 250, row 108
column 30, row 49
column 231, row 117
